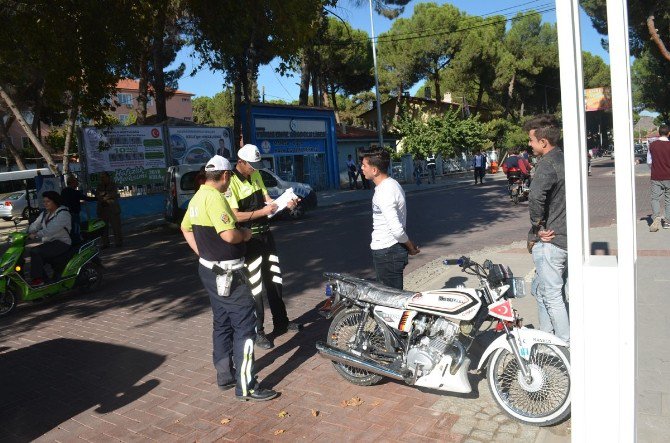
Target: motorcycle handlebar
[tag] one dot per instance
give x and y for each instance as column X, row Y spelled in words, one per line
column 462, row 261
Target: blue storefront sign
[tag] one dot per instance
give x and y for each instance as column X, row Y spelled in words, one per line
column 297, row 142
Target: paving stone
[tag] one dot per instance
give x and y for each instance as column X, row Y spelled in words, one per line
column 486, row 425
column 482, row 435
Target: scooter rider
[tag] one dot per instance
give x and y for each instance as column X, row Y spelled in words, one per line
column 516, row 163
column 209, row 229
column 252, row 205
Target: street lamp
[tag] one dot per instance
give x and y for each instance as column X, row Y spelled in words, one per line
column 374, row 60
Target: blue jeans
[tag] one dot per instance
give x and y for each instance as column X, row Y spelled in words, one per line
column 551, row 267
column 389, row 264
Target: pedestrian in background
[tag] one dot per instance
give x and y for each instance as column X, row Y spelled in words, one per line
column 418, row 170
column 390, row 244
column 364, row 181
column 352, row 169
column 209, row 229
column 251, row 204
column 479, row 165
column 659, row 151
column 72, row 198
column 109, row 209
column 548, row 239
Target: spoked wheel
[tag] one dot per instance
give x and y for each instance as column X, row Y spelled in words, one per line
column 8, row 300
column 90, row 277
column 342, row 335
column 542, row 401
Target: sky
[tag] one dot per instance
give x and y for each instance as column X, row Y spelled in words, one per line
column 208, row 83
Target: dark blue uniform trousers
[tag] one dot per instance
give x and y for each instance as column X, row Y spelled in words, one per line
column 234, row 330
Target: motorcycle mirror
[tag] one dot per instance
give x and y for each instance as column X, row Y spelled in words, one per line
column 488, row 264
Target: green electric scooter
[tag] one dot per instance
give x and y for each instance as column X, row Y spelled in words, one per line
column 79, row 268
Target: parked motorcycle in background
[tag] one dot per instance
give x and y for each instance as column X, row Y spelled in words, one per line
column 426, row 339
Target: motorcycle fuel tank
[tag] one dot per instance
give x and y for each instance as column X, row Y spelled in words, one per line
column 459, row 304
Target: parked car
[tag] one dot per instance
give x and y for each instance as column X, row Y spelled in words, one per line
column 180, row 186
column 15, row 205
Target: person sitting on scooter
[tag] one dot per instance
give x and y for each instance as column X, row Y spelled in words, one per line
column 52, row 227
column 516, row 166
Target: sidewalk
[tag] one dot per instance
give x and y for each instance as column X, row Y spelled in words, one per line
column 653, row 318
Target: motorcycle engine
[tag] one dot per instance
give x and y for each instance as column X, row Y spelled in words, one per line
column 429, row 349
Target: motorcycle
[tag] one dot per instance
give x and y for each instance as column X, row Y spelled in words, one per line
column 79, row 268
column 426, row 339
column 518, row 186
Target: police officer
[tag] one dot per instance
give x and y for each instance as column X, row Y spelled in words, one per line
column 209, row 229
column 252, row 205
column 431, row 166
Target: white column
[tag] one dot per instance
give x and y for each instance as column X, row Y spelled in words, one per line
column 622, row 115
column 574, row 143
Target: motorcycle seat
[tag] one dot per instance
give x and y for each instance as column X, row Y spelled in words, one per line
column 381, row 295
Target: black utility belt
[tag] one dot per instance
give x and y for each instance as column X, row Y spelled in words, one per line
column 262, row 229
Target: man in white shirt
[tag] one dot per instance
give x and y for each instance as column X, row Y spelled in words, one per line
column 390, row 244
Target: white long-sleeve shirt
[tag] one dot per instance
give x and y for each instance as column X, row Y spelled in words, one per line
column 389, row 215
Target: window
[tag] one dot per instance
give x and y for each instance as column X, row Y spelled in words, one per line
column 123, row 118
column 188, row 119
column 186, row 99
column 124, row 98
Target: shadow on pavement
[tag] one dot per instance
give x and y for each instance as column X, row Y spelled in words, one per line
column 48, row 383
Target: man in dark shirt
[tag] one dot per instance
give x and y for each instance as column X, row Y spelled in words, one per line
column 660, row 179
column 72, row 198
column 548, row 239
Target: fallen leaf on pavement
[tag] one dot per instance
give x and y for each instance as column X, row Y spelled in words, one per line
column 315, row 413
column 225, row 421
column 354, row 401
column 376, row 403
column 283, row 414
column 279, row 431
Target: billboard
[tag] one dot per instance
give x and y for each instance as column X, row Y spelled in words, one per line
column 598, row 99
column 196, row 145
column 134, row 155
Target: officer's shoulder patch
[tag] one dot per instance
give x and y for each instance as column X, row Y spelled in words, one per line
column 225, row 218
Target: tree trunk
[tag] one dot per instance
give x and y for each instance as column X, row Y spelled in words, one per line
column 480, row 97
column 143, row 97
column 333, row 95
column 303, row 99
column 521, row 110
column 325, row 100
column 69, row 131
column 397, row 110
column 438, row 93
column 19, row 118
column 4, row 138
column 243, row 74
column 510, row 92
column 651, row 26
column 237, row 120
column 316, row 97
column 159, row 65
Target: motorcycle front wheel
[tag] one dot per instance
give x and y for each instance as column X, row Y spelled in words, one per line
column 542, row 401
column 8, row 300
column 342, row 335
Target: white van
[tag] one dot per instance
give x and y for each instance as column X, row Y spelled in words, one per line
column 180, row 186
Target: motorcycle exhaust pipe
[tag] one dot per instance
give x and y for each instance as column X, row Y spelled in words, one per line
column 367, row 364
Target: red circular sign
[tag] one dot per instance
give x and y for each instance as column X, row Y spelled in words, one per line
column 155, row 133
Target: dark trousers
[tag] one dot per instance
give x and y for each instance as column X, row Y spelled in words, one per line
column 42, row 253
column 233, row 334
column 389, row 265
column 111, row 215
column 352, row 180
column 75, row 230
column 479, row 174
column 264, row 273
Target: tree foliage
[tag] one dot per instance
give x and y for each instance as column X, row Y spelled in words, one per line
column 651, row 83
column 214, row 111
column 448, row 135
column 596, row 71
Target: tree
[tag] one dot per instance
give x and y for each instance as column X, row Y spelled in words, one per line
column 50, row 58
column 649, row 24
column 263, row 30
column 650, row 83
column 214, row 111
column 596, row 71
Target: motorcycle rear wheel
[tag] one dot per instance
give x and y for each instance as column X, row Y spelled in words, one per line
column 341, row 335
column 8, row 301
column 542, row 402
column 90, row 277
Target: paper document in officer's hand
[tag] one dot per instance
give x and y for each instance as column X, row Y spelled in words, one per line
column 283, row 200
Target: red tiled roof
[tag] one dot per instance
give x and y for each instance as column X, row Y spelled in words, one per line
column 134, row 85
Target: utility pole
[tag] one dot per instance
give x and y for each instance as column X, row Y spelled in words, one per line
column 374, row 59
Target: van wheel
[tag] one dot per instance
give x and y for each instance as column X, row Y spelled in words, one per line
column 7, row 218
column 297, row 213
column 25, row 214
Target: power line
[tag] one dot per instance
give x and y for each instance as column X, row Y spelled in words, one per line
column 280, row 82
